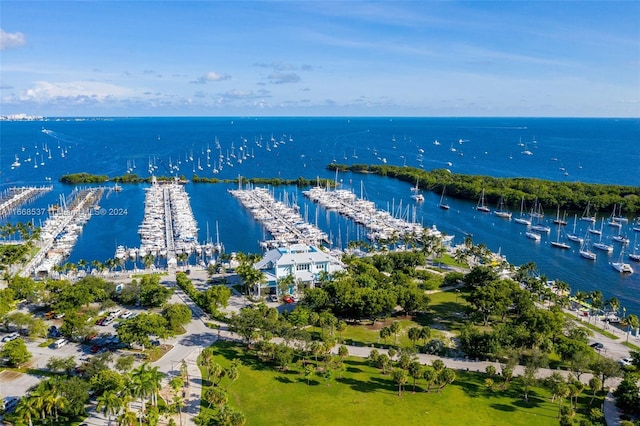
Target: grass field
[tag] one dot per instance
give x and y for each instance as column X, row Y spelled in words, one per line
column 365, row 396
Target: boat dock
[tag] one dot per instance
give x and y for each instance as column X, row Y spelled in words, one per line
column 283, row 222
column 61, row 230
column 12, row 198
column 380, row 224
column 169, row 228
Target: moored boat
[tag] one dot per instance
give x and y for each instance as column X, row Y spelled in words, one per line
column 585, row 252
column 621, row 266
column 482, row 204
column 442, row 204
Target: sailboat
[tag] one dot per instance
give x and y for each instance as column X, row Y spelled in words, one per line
column 522, row 219
column 600, row 245
column 573, row 236
column 442, row 204
column 613, row 219
column 502, row 212
column 634, row 256
column 622, row 239
column 586, row 216
column 532, row 235
column 482, row 204
column 559, row 244
column 559, row 221
column 620, row 266
column 415, row 192
column 585, row 252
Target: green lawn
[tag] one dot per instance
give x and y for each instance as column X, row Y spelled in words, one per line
column 369, row 334
column 365, row 396
column 446, row 308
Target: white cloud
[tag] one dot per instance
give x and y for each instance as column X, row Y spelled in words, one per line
column 10, row 40
column 81, row 91
column 212, row 76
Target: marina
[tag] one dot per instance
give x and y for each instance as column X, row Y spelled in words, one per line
column 382, row 225
column 169, row 228
column 13, row 198
column 281, row 219
column 60, row 231
column 487, row 147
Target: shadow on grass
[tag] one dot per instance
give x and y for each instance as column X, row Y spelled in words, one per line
column 358, row 385
column 232, row 350
column 283, row 379
column 503, row 407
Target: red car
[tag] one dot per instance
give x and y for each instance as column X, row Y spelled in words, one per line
column 288, row 299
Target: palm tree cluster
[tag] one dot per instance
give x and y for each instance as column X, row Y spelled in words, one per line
column 62, row 399
column 215, row 395
column 406, row 365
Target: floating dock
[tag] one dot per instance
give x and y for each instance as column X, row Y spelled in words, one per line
column 169, row 228
column 13, row 198
column 61, row 230
column 283, row 222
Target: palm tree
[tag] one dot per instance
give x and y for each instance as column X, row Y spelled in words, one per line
column 27, row 410
column 110, row 404
column 141, row 385
column 155, row 380
column 632, row 323
column 82, row 264
column 127, row 418
column 400, row 377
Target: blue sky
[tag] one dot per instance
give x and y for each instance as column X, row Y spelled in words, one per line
column 345, row 58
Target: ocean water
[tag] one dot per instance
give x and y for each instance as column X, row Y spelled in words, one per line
column 586, row 150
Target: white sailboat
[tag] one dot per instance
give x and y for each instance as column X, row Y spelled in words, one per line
column 442, row 204
column 502, row 211
column 559, row 221
column 532, row 235
column 482, row 204
column 600, row 245
column 634, row 256
column 573, row 236
column 621, row 266
column 586, row 216
column 559, row 244
column 585, row 252
column 613, row 219
column 522, row 220
column 415, row 192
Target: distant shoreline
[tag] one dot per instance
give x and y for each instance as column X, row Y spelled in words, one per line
column 567, row 196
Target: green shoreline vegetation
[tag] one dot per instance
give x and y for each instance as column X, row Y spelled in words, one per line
column 570, row 196
column 84, row 178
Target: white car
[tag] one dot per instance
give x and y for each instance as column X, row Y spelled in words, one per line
column 625, row 361
column 10, row 337
column 127, row 315
column 273, row 297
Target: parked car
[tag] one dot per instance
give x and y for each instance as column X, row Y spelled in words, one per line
column 126, row 315
column 9, row 403
column 288, row 299
column 60, row 343
column 625, row 362
column 10, row 337
column 273, row 298
column 597, row 345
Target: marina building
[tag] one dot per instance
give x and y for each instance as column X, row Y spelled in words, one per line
column 305, row 263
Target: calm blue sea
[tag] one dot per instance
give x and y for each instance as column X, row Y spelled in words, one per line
column 587, row 150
